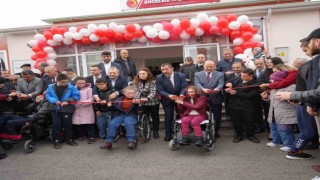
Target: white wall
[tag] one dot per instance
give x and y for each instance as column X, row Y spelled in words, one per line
column 286, row 30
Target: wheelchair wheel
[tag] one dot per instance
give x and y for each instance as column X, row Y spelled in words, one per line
column 172, row 145
column 7, row 145
column 145, row 129
column 29, row 146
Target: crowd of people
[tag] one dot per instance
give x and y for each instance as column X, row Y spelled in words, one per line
column 259, row 94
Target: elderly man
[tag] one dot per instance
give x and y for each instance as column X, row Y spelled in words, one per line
column 128, row 67
column 211, row 82
column 170, row 85
column 29, row 86
column 201, row 58
column 225, row 64
column 298, row 62
column 51, row 73
column 107, row 63
column 95, row 74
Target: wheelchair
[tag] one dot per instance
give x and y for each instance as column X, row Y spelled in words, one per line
column 208, row 131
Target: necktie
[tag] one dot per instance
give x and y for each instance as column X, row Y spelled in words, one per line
column 208, row 77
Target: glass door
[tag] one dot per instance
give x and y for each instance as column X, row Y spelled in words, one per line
column 211, row 51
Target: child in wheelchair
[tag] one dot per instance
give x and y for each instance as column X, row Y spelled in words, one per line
column 192, row 111
column 126, row 112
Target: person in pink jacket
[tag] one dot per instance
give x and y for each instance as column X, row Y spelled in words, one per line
column 83, row 117
column 193, row 110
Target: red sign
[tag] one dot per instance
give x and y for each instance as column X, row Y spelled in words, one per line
column 145, row 4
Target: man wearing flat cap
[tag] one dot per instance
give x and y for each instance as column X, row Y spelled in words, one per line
column 25, row 67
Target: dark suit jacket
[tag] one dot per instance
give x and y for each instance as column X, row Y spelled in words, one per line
column 113, row 64
column 89, row 79
column 74, row 81
column 164, row 86
column 132, row 67
column 46, row 82
column 259, row 79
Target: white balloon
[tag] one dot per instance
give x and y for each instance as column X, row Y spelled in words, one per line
column 213, row 20
column 146, row 28
column 199, row 32
column 57, row 37
column 234, row 25
column 256, row 38
column 33, row 42
column 194, row 22
column 72, row 29
column 243, row 19
column 158, row 26
column 52, row 42
column 152, row 33
column 52, row 56
column 93, row 38
column 39, row 37
column 237, row 41
column 184, row 35
column 92, row 27
column 142, row 39
column 113, row 26
column 250, row 23
column 121, row 28
column 48, row 49
column 84, row 32
column 138, row 27
column 175, row 22
column 68, row 35
column 67, row 41
column 164, row 34
column 243, row 57
column 202, row 17
column 77, row 36
column 51, row 62
column 102, row 27
column 248, row 52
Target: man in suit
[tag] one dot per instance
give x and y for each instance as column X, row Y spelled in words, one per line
column 127, row 65
column 25, row 67
column 208, row 80
column 260, row 69
column 170, row 85
column 201, row 58
column 95, row 71
column 51, row 73
column 225, row 64
column 41, row 67
column 72, row 75
column 107, row 63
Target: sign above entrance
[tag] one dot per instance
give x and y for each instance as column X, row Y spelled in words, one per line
column 146, row 4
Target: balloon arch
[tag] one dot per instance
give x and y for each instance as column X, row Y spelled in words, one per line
column 239, row 29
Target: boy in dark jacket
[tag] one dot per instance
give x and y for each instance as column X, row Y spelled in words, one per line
column 59, row 95
column 243, row 100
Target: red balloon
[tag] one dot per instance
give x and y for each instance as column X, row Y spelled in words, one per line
column 245, row 27
column 246, row 36
column 36, row 49
column 86, row 40
column 128, row 36
column 254, row 30
column 235, row 34
column 131, row 28
column 174, row 37
column 225, row 31
column 118, row 36
column 54, row 30
column 108, row 33
column 47, row 34
column 167, row 26
column 259, row 45
column 223, row 23
column 156, row 40
column 34, row 57
column 138, row 33
column 177, row 30
column 39, row 60
column 237, row 50
column 41, row 54
column 191, row 30
column 62, row 30
column 205, row 25
column 247, row 45
column 35, row 65
column 104, row 40
column 214, row 30
column 98, row 32
column 42, row 43
column 185, row 23
column 76, row 41
column 231, row 17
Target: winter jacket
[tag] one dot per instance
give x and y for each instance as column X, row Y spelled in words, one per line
column 103, row 95
column 84, row 113
column 133, row 111
column 289, row 80
column 200, row 105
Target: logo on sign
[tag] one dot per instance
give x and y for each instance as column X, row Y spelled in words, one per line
column 131, row 3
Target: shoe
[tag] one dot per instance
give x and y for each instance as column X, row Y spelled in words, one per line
column 131, row 145
column 298, row 155
column 3, row 155
column 107, row 145
column 271, row 144
column 184, row 141
column 316, row 167
column 199, row 142
column 156, row 135
column 72, row 143
column 253, row 139
column 285, row 149
column 237, row 139
column 259, row 130
column 91, row 141
column 312, row 146
column 56, row 144
column 167, row 138
column 102, row 139
column 216, row 135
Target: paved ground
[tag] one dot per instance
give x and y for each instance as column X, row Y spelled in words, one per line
column 154, row 160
